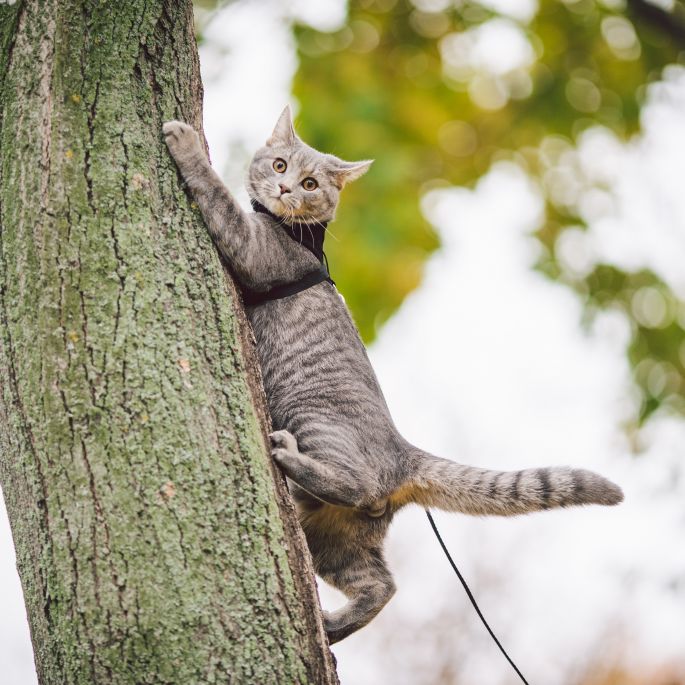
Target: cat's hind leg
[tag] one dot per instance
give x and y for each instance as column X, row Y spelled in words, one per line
column 365, row 579
column 330, row 485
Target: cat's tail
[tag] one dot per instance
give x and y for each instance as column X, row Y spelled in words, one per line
column 450, row 486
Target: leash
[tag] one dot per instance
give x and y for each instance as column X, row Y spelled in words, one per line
column 471, row 597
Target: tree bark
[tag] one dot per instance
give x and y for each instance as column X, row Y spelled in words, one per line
column 155, row 542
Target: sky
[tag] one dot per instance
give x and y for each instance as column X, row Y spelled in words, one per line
column 487, row 363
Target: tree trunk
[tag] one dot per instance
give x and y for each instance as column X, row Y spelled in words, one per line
column 153, row 543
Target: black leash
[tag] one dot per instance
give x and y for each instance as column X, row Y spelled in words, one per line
column 471, row 597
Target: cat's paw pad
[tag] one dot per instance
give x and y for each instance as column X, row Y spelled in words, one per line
column 180, row 137
column 283, row 440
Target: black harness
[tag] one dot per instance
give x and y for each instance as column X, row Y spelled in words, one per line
column 310, row 236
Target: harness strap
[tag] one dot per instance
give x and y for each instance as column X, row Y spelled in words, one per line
column 255, row 297
column 312, row 240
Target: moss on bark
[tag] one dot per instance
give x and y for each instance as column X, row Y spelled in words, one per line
column 141, row 497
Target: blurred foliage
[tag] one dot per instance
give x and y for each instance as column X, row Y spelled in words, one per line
column 422, row 86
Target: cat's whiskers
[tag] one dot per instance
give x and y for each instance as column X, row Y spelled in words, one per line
column 291, row 219
column 326, row 229
column 301, row 224
column 265, row 188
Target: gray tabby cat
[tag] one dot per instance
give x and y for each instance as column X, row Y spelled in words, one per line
column 349, row 469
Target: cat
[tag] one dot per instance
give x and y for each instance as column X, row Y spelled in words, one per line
column 348, row 468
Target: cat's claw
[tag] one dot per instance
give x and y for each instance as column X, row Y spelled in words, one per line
column 181, row 138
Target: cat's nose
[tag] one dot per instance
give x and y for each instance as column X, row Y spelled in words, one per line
column 284, row 189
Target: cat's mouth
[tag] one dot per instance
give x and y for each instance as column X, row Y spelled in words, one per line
column 285, row 210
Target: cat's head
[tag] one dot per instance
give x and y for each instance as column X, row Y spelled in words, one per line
column 295, row 181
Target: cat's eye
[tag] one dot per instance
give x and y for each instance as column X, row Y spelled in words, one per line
column 310, row 184
column 279, row 165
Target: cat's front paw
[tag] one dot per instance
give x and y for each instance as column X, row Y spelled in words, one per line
column 182, row 140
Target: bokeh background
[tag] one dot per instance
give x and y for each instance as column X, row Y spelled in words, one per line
column 515, row 260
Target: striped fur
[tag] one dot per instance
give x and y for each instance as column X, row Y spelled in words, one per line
column 453, row 487
column 348, row 467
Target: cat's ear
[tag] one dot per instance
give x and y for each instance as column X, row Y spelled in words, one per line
column 345, row 172
column 284, row 131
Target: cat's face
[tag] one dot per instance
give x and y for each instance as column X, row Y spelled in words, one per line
column 295, row 181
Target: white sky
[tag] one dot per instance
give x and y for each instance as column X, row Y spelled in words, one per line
column 487, row 363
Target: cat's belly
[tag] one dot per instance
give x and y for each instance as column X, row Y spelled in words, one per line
column 315, row 368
